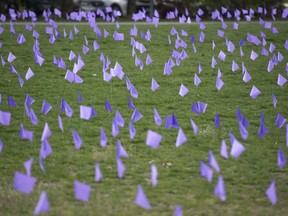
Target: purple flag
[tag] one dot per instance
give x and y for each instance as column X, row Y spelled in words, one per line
column 29, row 74
column 26, row 134
column 154, row 85
column 98, row 173
column 153, row 139
column 11, row 101
column 197, row 80
column 24, row 183
column 28, row 164
column 181, row 138
column 178, row 211
column 237, row 149
column 141, row 200
column 120, row 151
column 121, row 169
column 223, row 150
column 60, row 124
column 46, row 107
column 271, row 193
column 219, row 190
column 243, row 131
column 246, row 77
column 154, row 174
column 212, row 161
column 77, row 139
column 103, row 137
column 81, row 191
column 281, row 161
column 42, row 204
column 280, row 120
column 132, row 130
column 219, row 83
column 183, row 90
column 274, row 100
column 46, row 132
column 217, row 120
column 45, row 150
column 206, row 171
column 5, row 118
column 157, row 118
column 255, row 92
column 281, row 80
column 235, row 66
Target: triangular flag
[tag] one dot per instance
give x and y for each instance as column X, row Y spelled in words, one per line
column 281, row 80
column 183, row 90
column 103, row 137
column 98, row 173
column 281, row 161
column 223, row 150
column 141, row 200
column 237, row 149
column 206, row 171
column 77, row 139
column 181, row 138
column 212, row 161
column 255, row 92
column 46, row 107
column 121, row 169
column 219, row 190
column 42, row 204
column 46, row 132
column 271, row 193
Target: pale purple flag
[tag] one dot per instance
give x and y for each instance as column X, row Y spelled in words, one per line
column 243, row 131
column 197, row 80
column 274, row 100
column 206, row 171
column 281, row 80
column 178, row 210
column 199, row 68
column 272, row 47
column 154, row 175
column 281, row 161
column 42, row 205
column 253, row 55
column 237, row 149
column 270, row 66
column 29, row 74
column 119, row 119
column 26, row 134
column 120, row 151
column 45, row 150
column 98, row 173
column 85, row 49
column 183, row 90
column 85, row 112
column 271, row 193
column 103, row 137
column 148, row 60
column 157, row 118
column 33, row 117
column 121, row 169
column 118, row 36
column 154, row 85
column 241, row 52
column 81, row 191
column 214, row 62
column 230, row 47
column 194, row 126
column 23, row 183
column 223, row 150
column 46, row 132
column 280, row 120
column 60, row 124
column 72, row 55
column 222, row 55
column 132, row 130
column 46, row 107
column 141, row 200
column 153, row 139
column 219, row 190
column 262, row 131
column 181, row 138
column 280, row 57
column 77, row 139
column 235, row 66
column 28, row 164
column 11, row 57
column 201, row 37
column 213, row 45
column 220, row 33
column 115, row 128
column 246, row 77
column 213, row 162
column 255, row 92
column 219, row 83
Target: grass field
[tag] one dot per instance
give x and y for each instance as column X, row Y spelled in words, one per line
column 179, row 182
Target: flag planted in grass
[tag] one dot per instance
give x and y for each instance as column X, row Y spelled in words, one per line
column 42, row 205
column 141, row 200
column 82, row 191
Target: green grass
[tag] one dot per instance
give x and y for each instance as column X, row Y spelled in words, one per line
column 246, row 178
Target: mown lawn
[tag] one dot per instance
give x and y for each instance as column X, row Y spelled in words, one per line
column 179, row 182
